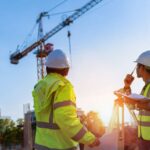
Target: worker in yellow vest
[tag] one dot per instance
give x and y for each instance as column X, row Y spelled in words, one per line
column 143, row 71
column 57, row 124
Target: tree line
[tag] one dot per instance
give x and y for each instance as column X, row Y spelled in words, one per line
column 11, row 133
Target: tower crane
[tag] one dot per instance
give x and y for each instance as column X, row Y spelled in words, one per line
column 17, row 55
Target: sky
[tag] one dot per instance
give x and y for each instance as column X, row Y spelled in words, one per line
column 105, row 41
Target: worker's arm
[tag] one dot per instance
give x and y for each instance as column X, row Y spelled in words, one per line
column 65, row 116
column 127, row 83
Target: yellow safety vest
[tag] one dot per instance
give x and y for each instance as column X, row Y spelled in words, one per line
column 144, row 118
column 57, row 125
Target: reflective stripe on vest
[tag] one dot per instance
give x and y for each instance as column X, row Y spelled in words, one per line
column 50, row 124
column 82, row 131
column 144, row 117
column 47, row 125
column 144, row 113
column 79, row 135
column 64, row 103
column 145, row 124
column 41, row 147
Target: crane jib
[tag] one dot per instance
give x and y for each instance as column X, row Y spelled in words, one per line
column 16, row 56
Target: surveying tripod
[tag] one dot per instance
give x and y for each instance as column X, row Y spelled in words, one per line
column 119, row 105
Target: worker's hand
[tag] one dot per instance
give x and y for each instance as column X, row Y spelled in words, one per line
column 95, row 143
column 119, row 92
column 128, row 80
column 130, row 106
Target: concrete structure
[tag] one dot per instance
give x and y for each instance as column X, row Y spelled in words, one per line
column 29, row 130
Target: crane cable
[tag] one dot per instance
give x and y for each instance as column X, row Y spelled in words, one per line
column 70, row 48
column 27, row 37
column 62, row 2
column 64, row 12
column 33, row 28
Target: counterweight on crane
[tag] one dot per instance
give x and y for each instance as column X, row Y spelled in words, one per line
column 16, row 56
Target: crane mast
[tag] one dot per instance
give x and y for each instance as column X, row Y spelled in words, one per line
column 16, row 56
column 40, row 53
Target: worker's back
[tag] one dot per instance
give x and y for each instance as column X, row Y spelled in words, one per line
column 48, row 133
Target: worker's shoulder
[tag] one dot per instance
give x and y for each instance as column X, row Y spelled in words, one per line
column 54, row 80
column 61, row 80
column 64, row 84
column 40, row 84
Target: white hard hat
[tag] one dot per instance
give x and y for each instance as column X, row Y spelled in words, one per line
column 144, row 58
column 57, row 59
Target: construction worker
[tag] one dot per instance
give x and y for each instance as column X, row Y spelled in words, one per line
column 143, row 71
column 57, row 124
